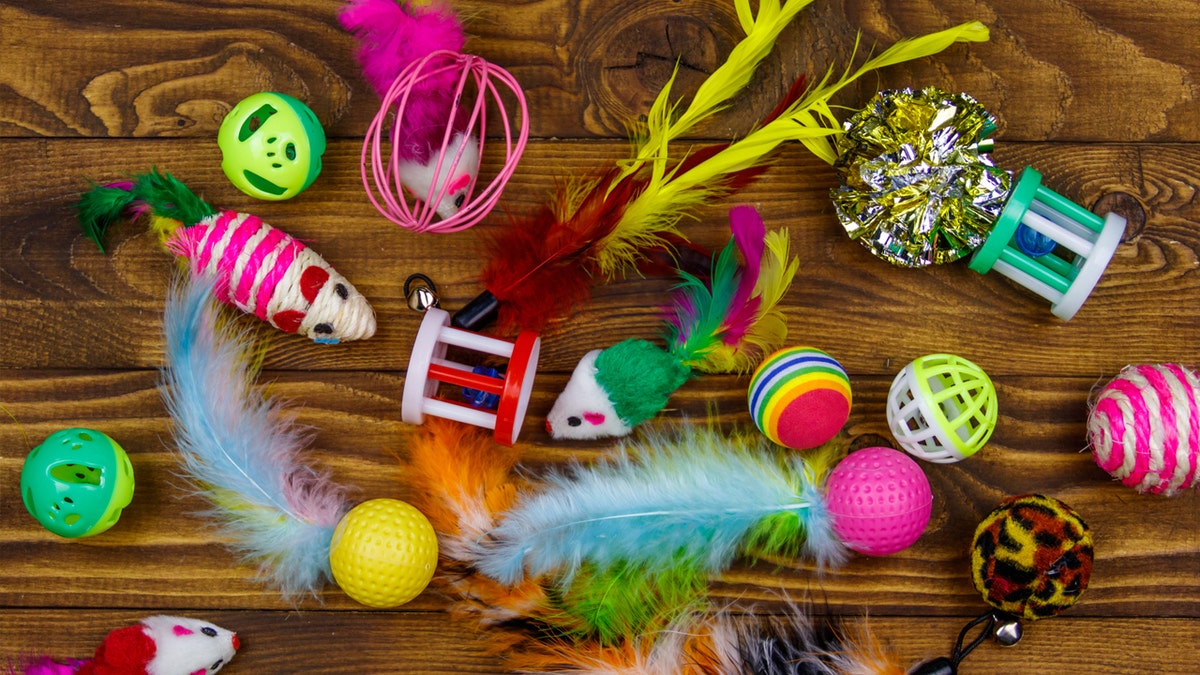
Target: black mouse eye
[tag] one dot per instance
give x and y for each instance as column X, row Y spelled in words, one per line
column 340, row 289
column 217, row 666
column 458, row 201
column 209, row 631
column 323, row 328
column 574, row 421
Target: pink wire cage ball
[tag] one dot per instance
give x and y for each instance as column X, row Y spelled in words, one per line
column 484, row 93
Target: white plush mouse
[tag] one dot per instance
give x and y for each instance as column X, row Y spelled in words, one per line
column 158, row 645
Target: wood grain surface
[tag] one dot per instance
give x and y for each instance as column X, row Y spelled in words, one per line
column 1099, row 96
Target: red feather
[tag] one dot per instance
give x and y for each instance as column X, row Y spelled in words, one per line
column 543, row 265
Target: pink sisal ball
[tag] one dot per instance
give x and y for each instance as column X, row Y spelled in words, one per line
column 879, row 499
column 1144, row 428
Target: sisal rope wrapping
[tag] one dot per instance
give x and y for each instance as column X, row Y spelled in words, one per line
column 266, row 272
column 1144, row 428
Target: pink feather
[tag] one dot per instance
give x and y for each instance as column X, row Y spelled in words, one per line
column 749, row 232
column 728, row 324
column 48, row 666
column 392, row 36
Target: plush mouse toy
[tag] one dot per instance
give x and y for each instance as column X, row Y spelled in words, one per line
column 158, row 645
column 724, row 326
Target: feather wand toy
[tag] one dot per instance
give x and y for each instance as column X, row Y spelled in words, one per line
column 594, row 229
column 243, row 451
column 258, row 269
column 725, row 326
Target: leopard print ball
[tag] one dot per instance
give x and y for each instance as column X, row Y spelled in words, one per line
column 1031, row 557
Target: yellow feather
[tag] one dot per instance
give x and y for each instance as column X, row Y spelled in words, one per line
column 777, row 270
column 671, row 196
column 718, row 88
column 768, row 330
column 812, row 111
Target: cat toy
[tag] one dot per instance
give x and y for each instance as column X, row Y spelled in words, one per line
column 243, row 453
column 271, row 146
column 157, row 645
column 1031, row 559
column 542, row 266
column 942, row 408
column 619, row 619
column 428, row 368
column 917, row 186
column 1144, row 428
column 258, row 269
column 411, row 55
column 800, row 397
column 724, row 326
column 77, row 482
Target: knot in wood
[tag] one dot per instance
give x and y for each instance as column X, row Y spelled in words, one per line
column 1127, row 206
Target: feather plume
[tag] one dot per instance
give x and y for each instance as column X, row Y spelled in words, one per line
column 464, row 481
column 816, row 118
column 393, row 34
column 718, row 88
column 728, row 641
column 156, row 193
column 656, row 625
column 729, row 324
column 242, row 451
column 600, row 228
column 102, row 206
column 669, row 499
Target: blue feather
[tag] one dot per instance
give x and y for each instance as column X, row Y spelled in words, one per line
column 690, row 496
column 241, row 450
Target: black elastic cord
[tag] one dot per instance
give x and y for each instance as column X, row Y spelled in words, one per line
column 422, row 277
column 959, row 652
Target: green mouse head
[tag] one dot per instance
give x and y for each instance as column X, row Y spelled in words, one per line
column 271, row 146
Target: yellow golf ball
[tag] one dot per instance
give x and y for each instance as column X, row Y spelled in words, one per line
column 383, row 553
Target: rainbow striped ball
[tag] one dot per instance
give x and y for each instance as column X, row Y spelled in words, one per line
column 1145, row 428
column 800, row 397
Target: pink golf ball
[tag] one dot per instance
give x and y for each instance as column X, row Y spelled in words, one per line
column 879, row 500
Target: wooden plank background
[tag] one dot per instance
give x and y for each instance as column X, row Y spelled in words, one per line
column 1100, row 96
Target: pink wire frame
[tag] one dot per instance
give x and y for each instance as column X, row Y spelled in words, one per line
column 380, row 162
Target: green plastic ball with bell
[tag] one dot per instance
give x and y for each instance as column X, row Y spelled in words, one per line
column 271, row 146
column 77, row 482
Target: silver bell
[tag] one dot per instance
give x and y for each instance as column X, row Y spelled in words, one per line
column 421, row 295
column 1007, row 631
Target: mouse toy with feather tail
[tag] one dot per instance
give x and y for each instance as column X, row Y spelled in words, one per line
column 429, row 136
column 600, row 226
column 258, row 269
column 157, row 645
column 726, row 326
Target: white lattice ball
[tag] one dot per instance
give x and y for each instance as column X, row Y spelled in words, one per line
column 942, row 408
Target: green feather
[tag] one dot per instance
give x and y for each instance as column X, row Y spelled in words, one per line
column 625, row 600
column 165, row 196
column 168, row 197
column 99, row 208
